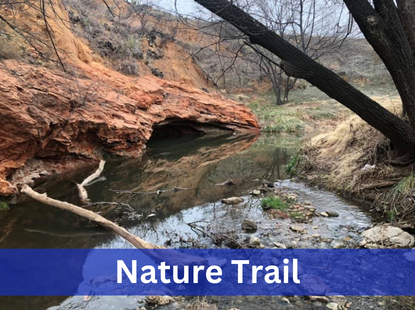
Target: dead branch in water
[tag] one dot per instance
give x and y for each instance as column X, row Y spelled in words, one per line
column 174, row 257
column 92, row 216
column 83, row 194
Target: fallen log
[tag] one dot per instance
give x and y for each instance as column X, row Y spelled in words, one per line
column 92, row 216
column 174, row 257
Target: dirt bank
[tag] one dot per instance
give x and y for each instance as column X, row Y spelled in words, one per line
column 354, row 160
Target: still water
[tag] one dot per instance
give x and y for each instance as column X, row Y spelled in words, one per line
column 176, row 183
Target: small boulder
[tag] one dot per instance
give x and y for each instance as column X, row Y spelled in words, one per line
column 232, row 200
column 332, row 214
column 387, row 236
column 249, row 226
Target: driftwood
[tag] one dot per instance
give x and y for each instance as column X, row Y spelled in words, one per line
column 83, row 194
column 92, row 216
column 173, row 257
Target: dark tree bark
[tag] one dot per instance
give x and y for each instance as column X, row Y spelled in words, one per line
column 383, row 29
column 298, row 65
column 406, row 9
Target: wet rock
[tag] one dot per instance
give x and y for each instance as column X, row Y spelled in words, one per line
column 337, row 245
column 298, row 229
column 256, row 192
column 310, row 208
column 232, row 200
column 387, row 236
column 158, row 300
column 332, row 305
column 332, row 214
column 322, row 299
column 280, row 245
column 325, row 214
column 249, row 226
column 286, row 300
column 255, row 242
column 347, row 239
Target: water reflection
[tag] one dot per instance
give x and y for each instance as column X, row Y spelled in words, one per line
column 197, row 165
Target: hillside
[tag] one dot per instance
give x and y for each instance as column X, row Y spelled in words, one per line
column 91, row 109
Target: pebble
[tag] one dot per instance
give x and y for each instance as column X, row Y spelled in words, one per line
column 310, row 208
column 337, row 245
column 256, row 193
column 249, row 225
column 297, row 229
column 232, row 200
column 332, row 305
column 286, row 300
column 325, row 214
column 255, row 241
column 322, row 299
column 280, row 245
column 158, row 300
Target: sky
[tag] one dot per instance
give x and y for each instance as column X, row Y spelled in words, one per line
column 184, row 6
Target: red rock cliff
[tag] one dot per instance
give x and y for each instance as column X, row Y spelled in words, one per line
column 49, row 114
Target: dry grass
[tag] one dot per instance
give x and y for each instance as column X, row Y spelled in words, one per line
column 337, row 161
column 11, row 46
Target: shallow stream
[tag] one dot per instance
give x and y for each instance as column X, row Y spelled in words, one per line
column 173, row 193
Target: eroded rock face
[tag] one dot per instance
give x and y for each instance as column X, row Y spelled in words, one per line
column 49, row 114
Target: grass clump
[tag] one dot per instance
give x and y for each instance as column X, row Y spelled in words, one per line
column 4, row 207
column 297, row 215
column 275, row 203
column 291, row 167
column 404, row 188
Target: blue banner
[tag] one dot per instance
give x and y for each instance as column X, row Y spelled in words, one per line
column 206, row 272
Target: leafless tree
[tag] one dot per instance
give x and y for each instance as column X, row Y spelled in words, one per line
column 389, row 35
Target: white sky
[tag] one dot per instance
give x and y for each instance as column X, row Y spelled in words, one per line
column 184, row 6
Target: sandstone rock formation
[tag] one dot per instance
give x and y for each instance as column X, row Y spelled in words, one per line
column 61, row 117
column 50, row 114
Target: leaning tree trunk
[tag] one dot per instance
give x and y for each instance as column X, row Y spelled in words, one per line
column 298, row 65
column 384, row 30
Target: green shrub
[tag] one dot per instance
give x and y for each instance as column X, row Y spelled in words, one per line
column 4, row 206
column 291, row 167
column 273, row 203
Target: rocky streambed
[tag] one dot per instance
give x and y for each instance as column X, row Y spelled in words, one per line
column 209, row 211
